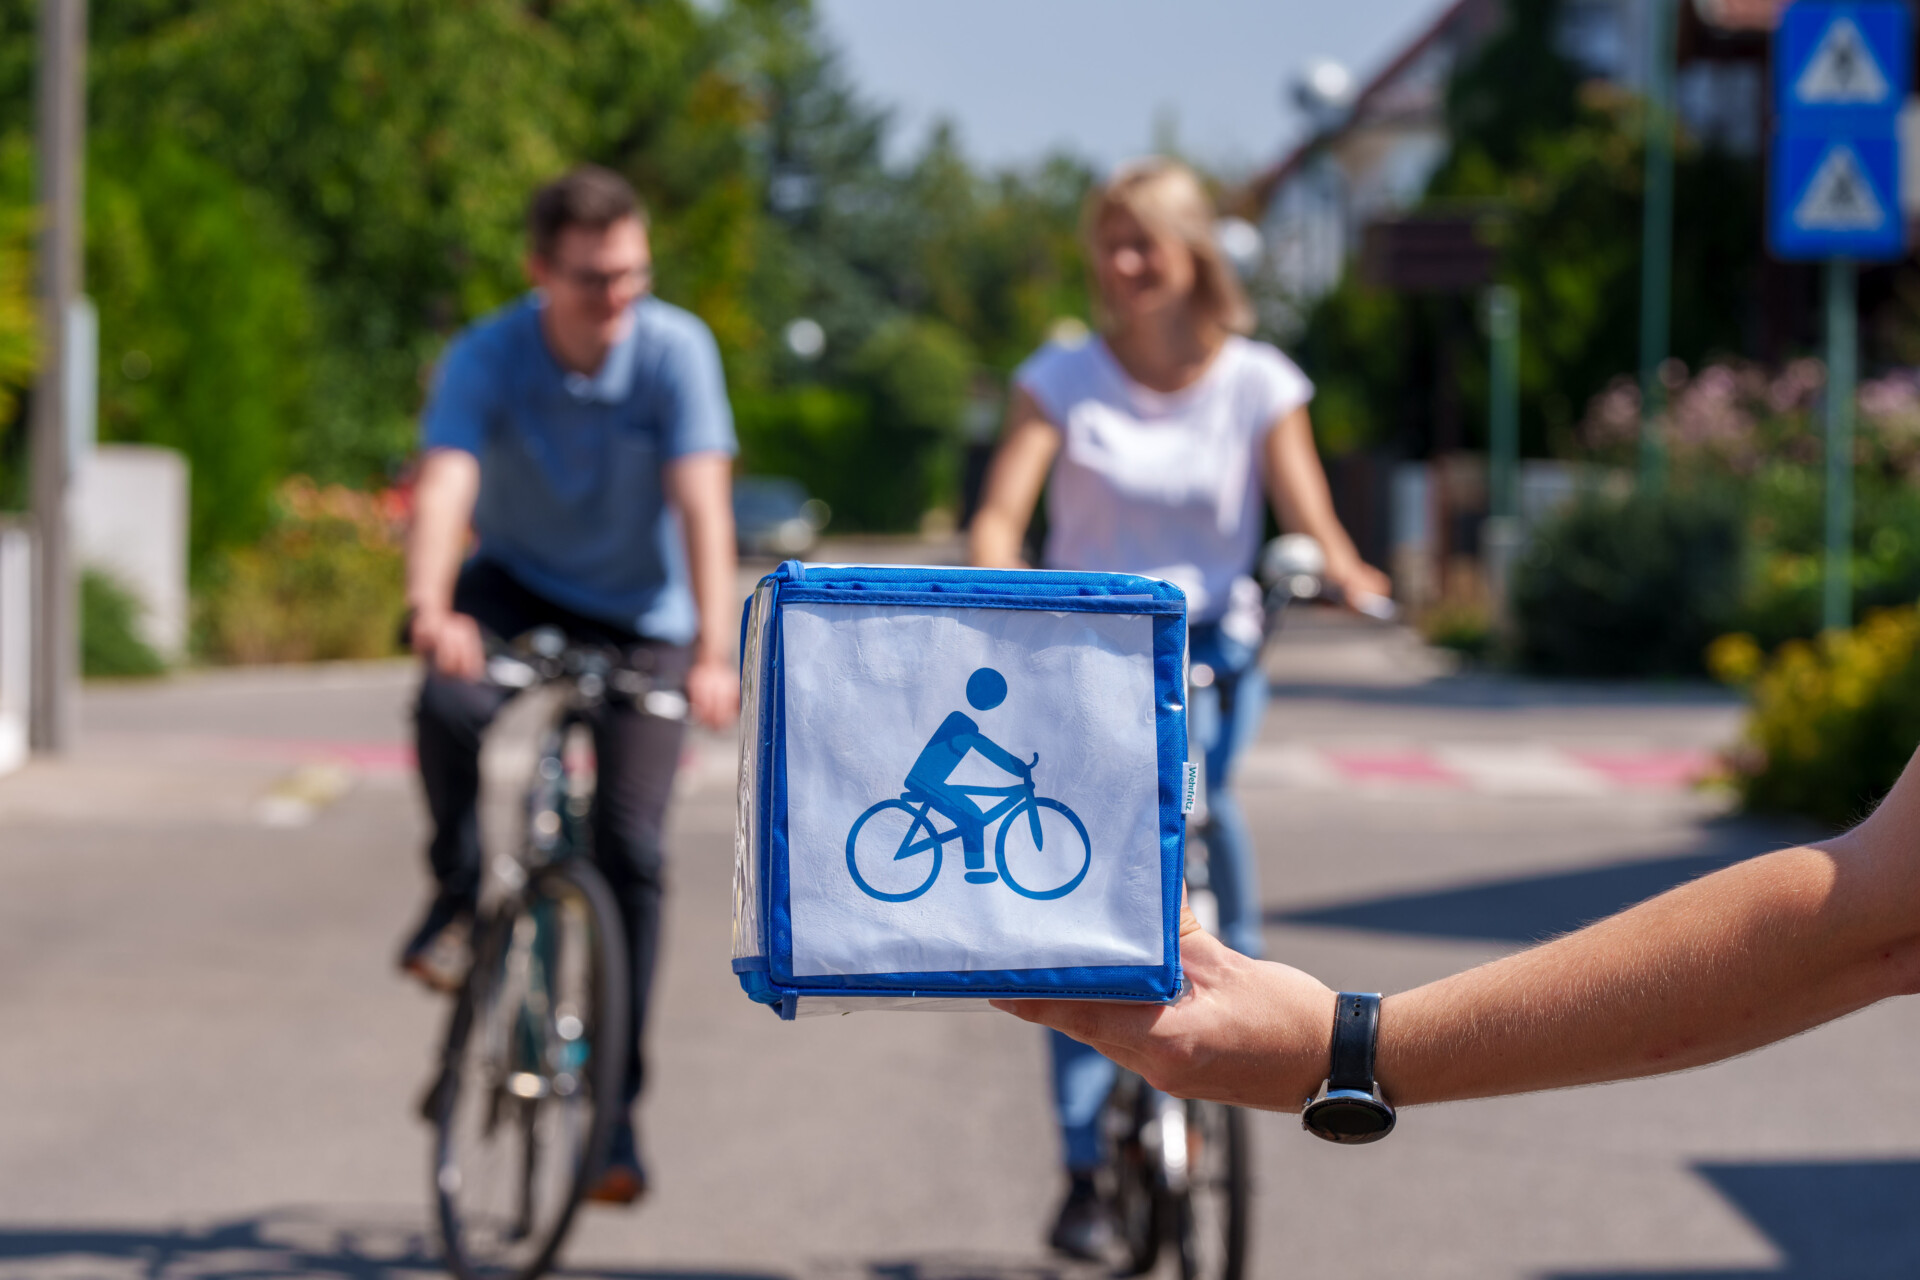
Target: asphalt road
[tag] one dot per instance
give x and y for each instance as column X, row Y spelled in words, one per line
column 207, row 1063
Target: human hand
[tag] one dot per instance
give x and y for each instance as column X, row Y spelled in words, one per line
column 1356, row 581
column 450, row 641
column 713, row 691
column 1244, row 1032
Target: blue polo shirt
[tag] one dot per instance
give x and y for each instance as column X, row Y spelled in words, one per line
column 571, row 502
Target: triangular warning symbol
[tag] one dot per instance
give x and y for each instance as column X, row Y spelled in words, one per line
column 1839, row 198
column 1842, row 71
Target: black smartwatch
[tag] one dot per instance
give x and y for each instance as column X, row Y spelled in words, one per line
column 1349, row 1107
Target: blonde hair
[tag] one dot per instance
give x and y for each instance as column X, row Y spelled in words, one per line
column 1169, row 200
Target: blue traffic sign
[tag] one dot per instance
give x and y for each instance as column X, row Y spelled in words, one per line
column 1841, row 75
column 1836, row 198
column 1841, row 67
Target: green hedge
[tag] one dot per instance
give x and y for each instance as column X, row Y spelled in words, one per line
column 1633, row 585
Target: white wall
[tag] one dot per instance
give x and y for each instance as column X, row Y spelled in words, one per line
column 129, row 511
column 16, row 643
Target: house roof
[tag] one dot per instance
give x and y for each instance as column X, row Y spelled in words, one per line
column 1740, row 15
column 1259, row 192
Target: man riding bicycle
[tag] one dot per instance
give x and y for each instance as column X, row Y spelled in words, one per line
column 956, row 738
column 584, row 435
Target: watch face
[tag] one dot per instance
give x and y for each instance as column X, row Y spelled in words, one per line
column 1349, row 1118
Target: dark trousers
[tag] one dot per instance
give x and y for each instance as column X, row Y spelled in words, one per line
column 635, row 756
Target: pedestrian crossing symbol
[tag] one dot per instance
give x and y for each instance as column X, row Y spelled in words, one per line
column 1842, row 70
column 1836, row 198
column 1840, row 196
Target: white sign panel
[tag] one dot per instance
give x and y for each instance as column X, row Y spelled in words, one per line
column 1842, row 71
column 1839, row 197
column 926, row 750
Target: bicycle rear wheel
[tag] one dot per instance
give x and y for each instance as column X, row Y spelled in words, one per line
column 1210, row 1219
column 531, row 1079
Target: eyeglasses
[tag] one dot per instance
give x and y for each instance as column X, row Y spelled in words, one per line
column 590, row 281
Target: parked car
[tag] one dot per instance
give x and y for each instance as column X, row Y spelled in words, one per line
column 773, row 516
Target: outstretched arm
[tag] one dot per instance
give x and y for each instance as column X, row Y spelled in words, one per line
column 1303, row 501
column 1014, row 480
column 1738, row 959
column 443, row 500
column 698, row 485
column 998, row 754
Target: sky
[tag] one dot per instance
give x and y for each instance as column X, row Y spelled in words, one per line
column 1021, row 77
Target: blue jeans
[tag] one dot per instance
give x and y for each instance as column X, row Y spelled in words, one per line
column 1222, row 719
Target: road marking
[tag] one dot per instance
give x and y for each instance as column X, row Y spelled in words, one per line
column 1521, row 769
column 1484, row 768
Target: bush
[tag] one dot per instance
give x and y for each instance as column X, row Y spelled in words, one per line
column 1834, row 720
column 1788, row 541
column 327, row 582
column 1629, row 586
column 110, row 639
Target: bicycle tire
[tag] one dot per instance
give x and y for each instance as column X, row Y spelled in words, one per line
column 917, row 821
column 1017, row 819
column 1134, row 1196
column 1211, row 1218
column 603, row 1031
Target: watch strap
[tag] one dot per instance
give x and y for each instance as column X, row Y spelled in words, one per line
column 1356, row 1030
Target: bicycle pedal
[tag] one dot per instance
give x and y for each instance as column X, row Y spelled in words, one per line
column 982, row 877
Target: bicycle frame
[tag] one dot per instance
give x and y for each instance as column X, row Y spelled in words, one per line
column 1011, row 798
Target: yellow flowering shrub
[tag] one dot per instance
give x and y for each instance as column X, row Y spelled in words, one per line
column 1834, row 719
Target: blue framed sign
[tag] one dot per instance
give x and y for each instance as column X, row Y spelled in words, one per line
column 958, row 784
column 1840, row 68
column 1837, row 198
column 1841, row 74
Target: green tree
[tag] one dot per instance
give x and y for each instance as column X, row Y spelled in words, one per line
column 1556, row 164
column 205, row 328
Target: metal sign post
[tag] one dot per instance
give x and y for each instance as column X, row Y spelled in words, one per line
column 62, row 130
column 1656, row 235
column 1500, row 537
column 1841, row 73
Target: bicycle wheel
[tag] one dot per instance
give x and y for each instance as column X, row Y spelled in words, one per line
column 885, row 852
column 1210, row 1220
column 531, row 1079
column 1132, row 1186
column 1055, row 866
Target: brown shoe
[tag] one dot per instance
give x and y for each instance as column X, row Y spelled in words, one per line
column 624, row 1180
column 620, row 1185
column 440, row 950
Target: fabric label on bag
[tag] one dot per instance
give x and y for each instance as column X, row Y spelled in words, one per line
column 970, row 788
column 1189, row 786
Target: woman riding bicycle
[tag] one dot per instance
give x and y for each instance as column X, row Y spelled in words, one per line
column 1160, row 436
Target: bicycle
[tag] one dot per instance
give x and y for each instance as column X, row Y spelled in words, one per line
column 1180, row 1170
column 902, row 827
column 530, row 1078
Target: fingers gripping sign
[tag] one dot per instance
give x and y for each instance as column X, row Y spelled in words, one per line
column 1244, row 1031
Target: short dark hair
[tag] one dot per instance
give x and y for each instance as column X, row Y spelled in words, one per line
column 587, row 196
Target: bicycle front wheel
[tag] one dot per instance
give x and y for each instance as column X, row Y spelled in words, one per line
column 531, row 1081
column 1210, row 1219
column 1052, row 866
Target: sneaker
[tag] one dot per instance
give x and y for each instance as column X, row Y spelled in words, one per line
column 1084, row 1227
column 438, row 953
column 624, row 1179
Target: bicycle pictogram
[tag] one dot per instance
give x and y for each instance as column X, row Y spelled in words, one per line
column 1045, row 856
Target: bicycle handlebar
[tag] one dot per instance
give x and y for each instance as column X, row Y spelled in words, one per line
column 545, row 656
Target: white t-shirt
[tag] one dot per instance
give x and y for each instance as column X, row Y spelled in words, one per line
column 1163, row 484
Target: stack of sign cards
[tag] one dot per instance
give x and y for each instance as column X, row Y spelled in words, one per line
column 958, row 784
